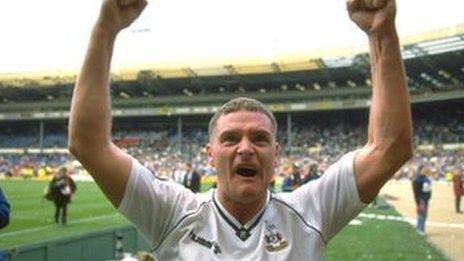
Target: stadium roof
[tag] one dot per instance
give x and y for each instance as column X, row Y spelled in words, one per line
column 432, row 42
column 203, row 33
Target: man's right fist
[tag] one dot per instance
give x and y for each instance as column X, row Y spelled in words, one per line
column 372, row 16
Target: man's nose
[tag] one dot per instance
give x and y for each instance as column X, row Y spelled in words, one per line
column 245, row 148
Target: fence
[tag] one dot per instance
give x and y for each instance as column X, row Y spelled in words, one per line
column 101, row 245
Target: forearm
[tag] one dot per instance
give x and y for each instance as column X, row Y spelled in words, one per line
column 90, row 117
column 390, row 128
column 389, row 132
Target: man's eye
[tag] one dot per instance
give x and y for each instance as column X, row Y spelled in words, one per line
column 230, row 139
column 261, row 139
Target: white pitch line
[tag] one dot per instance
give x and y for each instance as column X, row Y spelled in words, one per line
column 411, row 220
column 79, row 221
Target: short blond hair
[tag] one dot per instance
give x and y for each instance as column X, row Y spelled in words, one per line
column 242, row 103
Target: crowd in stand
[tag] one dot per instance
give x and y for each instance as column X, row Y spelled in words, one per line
column 312, row 146
column 31, row 165
column 316, row 141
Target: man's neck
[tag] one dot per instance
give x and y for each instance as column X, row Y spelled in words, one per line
column 242, row 212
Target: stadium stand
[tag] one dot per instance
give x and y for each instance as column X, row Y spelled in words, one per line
column 320, row 99
column 315, row 137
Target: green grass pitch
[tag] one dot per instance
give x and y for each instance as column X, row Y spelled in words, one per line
column 32, row 222
column 32, row 217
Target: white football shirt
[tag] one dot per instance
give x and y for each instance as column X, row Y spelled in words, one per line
column 181, row 225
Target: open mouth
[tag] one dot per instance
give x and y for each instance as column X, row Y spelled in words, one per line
column 246, row 171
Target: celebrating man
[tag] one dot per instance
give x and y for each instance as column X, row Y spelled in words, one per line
column 241, row 219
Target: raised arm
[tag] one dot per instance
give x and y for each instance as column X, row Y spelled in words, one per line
column 90, row 118
column 389, row 143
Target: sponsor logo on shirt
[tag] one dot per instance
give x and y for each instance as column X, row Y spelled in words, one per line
column 273, row 239
column 205, row 242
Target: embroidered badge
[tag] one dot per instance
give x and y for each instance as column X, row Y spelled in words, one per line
column 273, row 239
column 243, row 234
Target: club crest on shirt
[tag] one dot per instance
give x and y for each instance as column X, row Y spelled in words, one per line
column 273, row 239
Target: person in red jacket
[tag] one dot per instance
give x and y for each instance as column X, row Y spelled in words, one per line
column 458, row 188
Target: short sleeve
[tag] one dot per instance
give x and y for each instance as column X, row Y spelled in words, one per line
column 152, row 204
column 332, row 201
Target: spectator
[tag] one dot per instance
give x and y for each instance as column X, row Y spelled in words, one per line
column 293, row 180
column 62, row 188
column 4, row 210
column 422, row 188
column 4, row 216
column 458, row 188
column 313, row 173
column 192, row 178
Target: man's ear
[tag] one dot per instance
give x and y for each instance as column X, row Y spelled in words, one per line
column 210, row 155
column 277, row 154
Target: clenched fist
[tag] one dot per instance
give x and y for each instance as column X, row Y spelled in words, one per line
column 372, row 16
column 116, row 15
